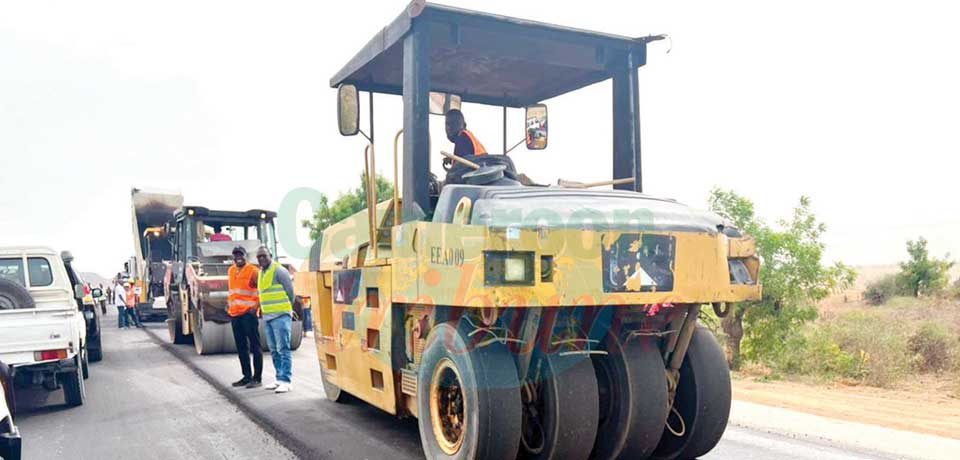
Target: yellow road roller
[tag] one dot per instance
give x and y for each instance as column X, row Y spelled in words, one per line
column 516, row 319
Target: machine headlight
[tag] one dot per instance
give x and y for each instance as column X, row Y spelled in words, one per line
column 504, row 268
column 515, row 269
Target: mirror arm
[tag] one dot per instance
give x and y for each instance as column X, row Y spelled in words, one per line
column 524, row 140
column 369, row 139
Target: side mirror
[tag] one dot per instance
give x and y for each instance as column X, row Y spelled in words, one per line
column 441, row 103
column 536, row 127
column 96, row 293
column 348, row 110
column 78, row 292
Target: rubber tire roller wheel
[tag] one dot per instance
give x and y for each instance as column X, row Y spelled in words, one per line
column 633, row 407
column 703, row 399
column 490, row 388
column 570, row 411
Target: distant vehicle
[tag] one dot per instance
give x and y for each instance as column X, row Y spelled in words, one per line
column 43, row 329
column 91, row 315
column 9, row 435
column 196, row 286
column 153, row 249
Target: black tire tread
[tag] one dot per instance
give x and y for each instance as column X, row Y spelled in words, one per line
column 497, row 395
column 73, row 388
column 705, row 373
column 18, row 294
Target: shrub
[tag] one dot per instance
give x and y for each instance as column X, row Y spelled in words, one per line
column 816, row 353
column 880, row 346
column 930, row 347
column 881, row 290
column 954, row 290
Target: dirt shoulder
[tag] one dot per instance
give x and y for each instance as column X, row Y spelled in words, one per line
column 909, row 409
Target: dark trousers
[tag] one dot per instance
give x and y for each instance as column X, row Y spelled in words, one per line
column 134, row 318
column 246, row 333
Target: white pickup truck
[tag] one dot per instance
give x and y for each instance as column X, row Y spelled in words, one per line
column 42, row 328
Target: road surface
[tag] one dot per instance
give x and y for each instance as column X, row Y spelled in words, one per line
column 149, row 399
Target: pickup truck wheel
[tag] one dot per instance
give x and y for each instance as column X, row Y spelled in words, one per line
column 13, row 296
column 73, row 389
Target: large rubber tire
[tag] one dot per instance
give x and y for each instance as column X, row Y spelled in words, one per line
column 95, row 350
column 703, row 400
column 633, row 399
column 567, row 411
column 489, row 390
column 73, row 387
column 296, row 334
column 13, row 296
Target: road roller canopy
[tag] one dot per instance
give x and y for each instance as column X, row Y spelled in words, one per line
column 489, row 59
column 437, row 57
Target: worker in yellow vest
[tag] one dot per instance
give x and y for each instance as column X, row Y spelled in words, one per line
column 276, row 304
column 242, row 306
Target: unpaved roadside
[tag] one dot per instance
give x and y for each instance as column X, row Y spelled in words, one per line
column 908, row 410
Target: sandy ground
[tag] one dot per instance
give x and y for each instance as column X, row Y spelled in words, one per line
column 910, row 410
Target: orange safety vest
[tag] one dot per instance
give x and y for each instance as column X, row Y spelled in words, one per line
column 131, row 298
column 478, row 148
column 242, row 297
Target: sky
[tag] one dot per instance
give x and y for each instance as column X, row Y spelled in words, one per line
column 853, row 104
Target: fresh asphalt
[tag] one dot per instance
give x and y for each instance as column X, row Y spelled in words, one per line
column 149, row 399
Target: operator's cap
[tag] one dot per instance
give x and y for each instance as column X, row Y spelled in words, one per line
column 239, row 250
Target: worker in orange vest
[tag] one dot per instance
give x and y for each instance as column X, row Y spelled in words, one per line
column 243, row 305
column 132, row 306
column 464, row 142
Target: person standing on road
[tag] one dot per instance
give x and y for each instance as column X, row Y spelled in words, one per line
column 242, row 307
column 276, row 303
column 120, row 301
column 131, row 302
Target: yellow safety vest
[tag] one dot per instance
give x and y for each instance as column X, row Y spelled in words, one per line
column 273, row 298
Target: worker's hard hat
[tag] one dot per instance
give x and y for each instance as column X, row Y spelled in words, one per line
column 240, row 250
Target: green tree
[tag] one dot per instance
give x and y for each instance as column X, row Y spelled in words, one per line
column 792, row 273
column 346, row 205
column 923, row 274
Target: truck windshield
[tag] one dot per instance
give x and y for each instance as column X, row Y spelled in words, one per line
column 12, row 270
